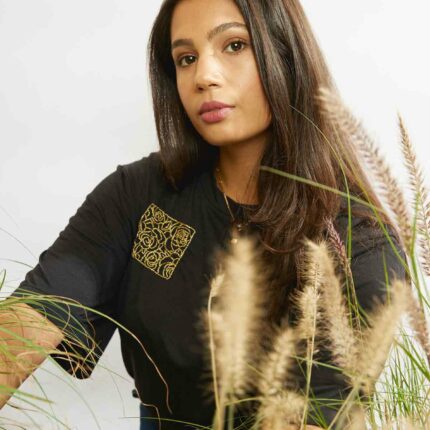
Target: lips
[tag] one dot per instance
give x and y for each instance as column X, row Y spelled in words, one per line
column 212, row 105
column 216, row 115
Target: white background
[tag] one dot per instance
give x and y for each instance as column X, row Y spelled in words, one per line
column 75, row 103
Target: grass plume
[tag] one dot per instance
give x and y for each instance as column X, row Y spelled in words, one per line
column 390, row 190
column 378, row 338
column 421, row 199
column 236, row 323
column 335, row 316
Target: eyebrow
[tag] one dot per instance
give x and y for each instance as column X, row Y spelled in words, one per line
column 211, row 34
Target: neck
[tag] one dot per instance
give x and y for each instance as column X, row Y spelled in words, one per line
column 238, row 167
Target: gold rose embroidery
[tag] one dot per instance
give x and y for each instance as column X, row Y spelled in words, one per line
column 161, row 241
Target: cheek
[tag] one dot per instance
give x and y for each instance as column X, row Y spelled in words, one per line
column 254, row 98
column 184, row 90
column 187, row 103
column 182, row 95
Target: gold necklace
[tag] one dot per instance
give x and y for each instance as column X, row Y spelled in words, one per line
column 237, row 226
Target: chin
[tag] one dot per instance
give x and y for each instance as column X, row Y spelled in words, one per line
column 223, row 143
column 223, row 138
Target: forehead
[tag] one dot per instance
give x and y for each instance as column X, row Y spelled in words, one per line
column 198, row 17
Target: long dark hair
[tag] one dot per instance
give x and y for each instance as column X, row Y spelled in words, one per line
column 292, row 68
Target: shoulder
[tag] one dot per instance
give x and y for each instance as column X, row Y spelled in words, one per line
column 129, row 188
column 146, row 166
column 377, row 257
column 143, row 176
column 364, row 230
column 376, row 254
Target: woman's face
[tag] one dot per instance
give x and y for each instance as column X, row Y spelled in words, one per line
column 220, row 67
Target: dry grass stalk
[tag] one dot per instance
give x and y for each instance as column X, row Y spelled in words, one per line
column 279, row 412
column 421, row 201
column 241, row 303
column 357, row 420
column 339, row 248
column 237, row 321
column 307, row 303
column 307, row 300
column 279, row 406
column 362, row 357
column 210, row 328
column 335, row 315
column 216, row 283
column 351, row 127
column 378, row 338
column 419, row 323
column 278, row 362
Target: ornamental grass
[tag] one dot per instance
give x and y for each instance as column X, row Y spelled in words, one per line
column 383, row 356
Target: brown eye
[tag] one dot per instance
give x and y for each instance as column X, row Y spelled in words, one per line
column 179, row 62
column 237, row 42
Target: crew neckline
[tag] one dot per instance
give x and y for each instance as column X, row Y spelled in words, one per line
column 234, row 202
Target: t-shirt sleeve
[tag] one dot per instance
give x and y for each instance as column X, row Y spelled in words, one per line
column 373, row 262
column 85, row 264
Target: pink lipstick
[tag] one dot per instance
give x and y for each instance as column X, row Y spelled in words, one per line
column 216, row 115
column 214, row 111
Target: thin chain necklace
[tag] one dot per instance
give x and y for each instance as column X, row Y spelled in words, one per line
column 237, row 227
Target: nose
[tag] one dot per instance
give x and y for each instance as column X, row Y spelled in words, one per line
column 207, row 73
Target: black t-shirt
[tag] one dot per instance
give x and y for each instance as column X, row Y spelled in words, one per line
column 143, row 253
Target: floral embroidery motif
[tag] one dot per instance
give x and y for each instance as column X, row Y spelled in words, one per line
column 161, row 241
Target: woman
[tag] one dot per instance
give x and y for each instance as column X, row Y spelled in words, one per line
column 233, row 86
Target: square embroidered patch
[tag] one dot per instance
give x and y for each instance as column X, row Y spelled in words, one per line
column 161, row 241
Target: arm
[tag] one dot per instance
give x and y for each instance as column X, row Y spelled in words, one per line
column 84, row 268
column 17, row 360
